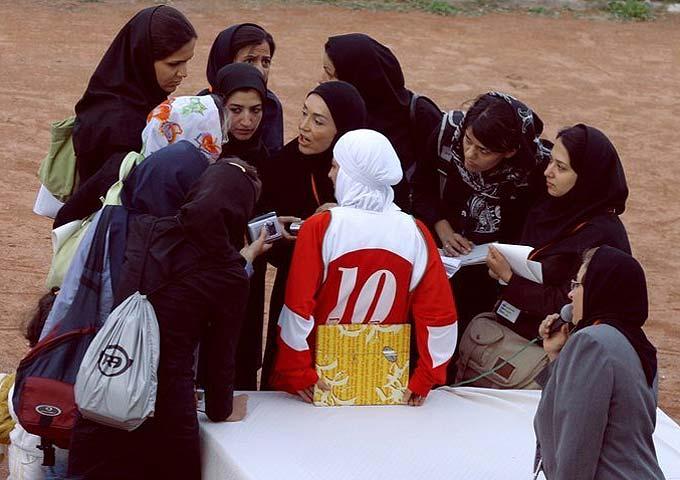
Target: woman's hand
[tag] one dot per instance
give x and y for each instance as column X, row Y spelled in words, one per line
column 256, row 248
column 239, row 408
column 285, row 221
column 453, row 243
column 412, row 399
column 499, row 268
column 552, row 344
column 326, row 206
column 308, row 393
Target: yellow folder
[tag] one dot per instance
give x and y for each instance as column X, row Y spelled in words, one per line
column 363, row 364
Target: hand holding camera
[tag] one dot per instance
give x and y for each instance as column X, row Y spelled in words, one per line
column 291, row 227
column 269, row 223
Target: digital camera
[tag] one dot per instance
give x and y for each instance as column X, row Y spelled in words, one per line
column 269, row 222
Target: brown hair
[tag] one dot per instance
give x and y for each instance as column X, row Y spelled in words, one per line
column 35, row 325
column 170, row 31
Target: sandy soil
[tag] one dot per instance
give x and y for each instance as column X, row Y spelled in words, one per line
column 621, row 77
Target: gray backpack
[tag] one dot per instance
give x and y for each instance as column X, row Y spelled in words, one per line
column 117, row 381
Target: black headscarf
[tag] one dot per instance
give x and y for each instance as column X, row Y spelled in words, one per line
column 615, row 293
column 371, row 67
column 120, row 94
column 240, row 76
column 346, row 105
column 218, row 207
column 222, row 53
column 159, row 185
column 600, row 189
column 375, row 71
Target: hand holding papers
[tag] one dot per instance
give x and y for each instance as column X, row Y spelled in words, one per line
column 451, row 264
column 476, row 257
column 518, row 258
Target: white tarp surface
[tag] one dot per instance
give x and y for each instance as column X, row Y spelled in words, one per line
column 462, row 433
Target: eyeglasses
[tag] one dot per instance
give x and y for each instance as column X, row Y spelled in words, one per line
column 574, row 284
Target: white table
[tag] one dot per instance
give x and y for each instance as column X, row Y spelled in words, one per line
column 462, row 433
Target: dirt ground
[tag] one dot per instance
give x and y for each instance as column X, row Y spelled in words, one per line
column 620, row 77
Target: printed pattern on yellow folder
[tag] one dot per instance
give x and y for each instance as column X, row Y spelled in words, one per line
column 363, row 364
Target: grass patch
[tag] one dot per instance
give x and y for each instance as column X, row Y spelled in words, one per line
column 636, row 10
column 438, row 7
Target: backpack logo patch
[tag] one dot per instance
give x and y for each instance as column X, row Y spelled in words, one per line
column 113, row 361
column 48, row 410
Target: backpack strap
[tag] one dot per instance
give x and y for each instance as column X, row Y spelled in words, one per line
column 412, row 109
column 47, row 447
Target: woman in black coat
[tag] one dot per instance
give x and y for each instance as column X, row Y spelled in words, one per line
column 244, row 91
column 146, row 61
column 585, row 192
column 404, row 118
column 195, row 280
column 296, row 183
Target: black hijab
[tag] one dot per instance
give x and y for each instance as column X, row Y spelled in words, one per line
column 222, row 53
column 120, row 94
column 600, row 190
column 615, row 293
column 372, row 68
column 286, row 177
column 346, row 105
column 241, row 76
column 375, row 71
column 218, row 207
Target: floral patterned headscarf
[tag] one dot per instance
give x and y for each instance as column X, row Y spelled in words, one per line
column 190, row 118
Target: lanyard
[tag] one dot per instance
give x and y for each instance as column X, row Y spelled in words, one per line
column 314, row 190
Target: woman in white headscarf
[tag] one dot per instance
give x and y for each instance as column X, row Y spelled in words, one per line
column 339, row 250
column 364, row 168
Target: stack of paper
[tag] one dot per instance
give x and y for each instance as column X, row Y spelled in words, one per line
column 451, row 264
column 476, row 256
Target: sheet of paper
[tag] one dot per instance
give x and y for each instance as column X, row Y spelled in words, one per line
column 517, row 256
column 61, row 233
column 476, row 256
column 451, row 265
column 46, row 204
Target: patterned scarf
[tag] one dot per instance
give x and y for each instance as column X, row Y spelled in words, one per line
column 191, row 118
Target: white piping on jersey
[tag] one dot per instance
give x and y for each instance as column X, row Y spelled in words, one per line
column 295, row 329
column 353, row 229
column 441, row 343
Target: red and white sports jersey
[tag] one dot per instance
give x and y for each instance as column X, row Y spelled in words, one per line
column 359, row 266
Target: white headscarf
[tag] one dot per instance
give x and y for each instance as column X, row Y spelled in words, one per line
column 369, row 167
column 195, row 119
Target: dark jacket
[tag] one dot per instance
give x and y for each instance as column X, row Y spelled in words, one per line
column 197, row 285
column 560, row 262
